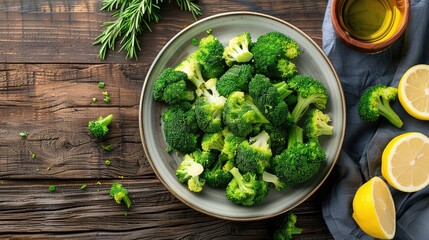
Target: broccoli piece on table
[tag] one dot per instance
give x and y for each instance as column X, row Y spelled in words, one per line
column 216, row 176
column 100, row 127
column 180, row 127
column 287, row 228
column 279, row 185
column 120, row 194
column 241, row 114
column 299, row 161
column 254, row 155
column 209, row 107
column 190, row 171
column 212, row 141
column 375, row 102
column 246, row 189
column 210, row 57
column 170, row 87
column 192, row 68
column 237, row 50
column 236, row 78
column 309, row 92
column 316, row 123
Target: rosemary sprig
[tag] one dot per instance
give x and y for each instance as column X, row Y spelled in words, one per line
column 132, row 16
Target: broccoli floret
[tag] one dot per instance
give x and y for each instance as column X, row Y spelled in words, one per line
column 100, row 127
column 375, row 101
column 316, row 123
column 278, row 138
column 212, row 141
column 217, row 177
column 190, row 171
column 241, row 114
column 192, row 68
column 210, row 57
column 236, row 78
column 170, row 87
column 237, row 50
column 209, row 107
column 120, row 193
column 299, row 161
column 180, row 127
column 287, row 228
column 254, row 155
column 309, row 92
column 205, row 158
column 231, row 143
column 272, row 54
column 246, row 189
column 271, row 178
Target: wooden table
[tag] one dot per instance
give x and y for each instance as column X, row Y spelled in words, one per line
column 49, row 72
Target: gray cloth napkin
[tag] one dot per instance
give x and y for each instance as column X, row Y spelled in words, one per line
column 364, row 143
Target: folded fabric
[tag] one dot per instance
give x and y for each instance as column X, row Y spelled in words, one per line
column 360, row 158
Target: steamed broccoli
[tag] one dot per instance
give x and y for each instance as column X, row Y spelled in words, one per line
column 278, row 138
column 299, row 161
column 316, row 123
column 254, row 155
column 180, row 127
column 210, row 57
column 216, row 176
column 209, row 108
column 287, row 228
column 231, row 143
column 375, row 101
column 309, row 92
column 212, row 141
column 192, row 68
column 170, row 87
column 120, row 193
column 279, row 185
column 241, row 114
column 100, row 127
column 246, row 189
column 236, row 78
column 189, row 171
column 272, row 54
column 205, row 158
column 237, row 50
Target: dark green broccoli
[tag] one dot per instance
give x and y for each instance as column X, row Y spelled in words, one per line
column 170, row 87
column 190, row 171
column 316, row 123
column 246, row 189
column 299, row 161
column 205, row 158
column 272, row 54
column 241, row 114
column 237, row 50
column 231, row 143
column 210, row 57
column 100, row 127
column 278, row 138
column 212, row 141
column 216, row 176
column 273, row 179
column 209, row 107
column 192, row 68
column 375, row 101
column 180, row 127
column 236, row 78
column 309, row 92
column 287, row 228
column 254, row 155
column 120, row 193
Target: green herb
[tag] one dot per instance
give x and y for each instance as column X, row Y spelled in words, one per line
column 23, row 134
column 101, row 84
column 94, row 99
column 195, row 41
column 107, row 162
column 107, row 147
column 83, row 186
column 33, row 155
column 52, row 188
column 131, row 17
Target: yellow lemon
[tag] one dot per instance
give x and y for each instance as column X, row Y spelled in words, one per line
column 413, row 91
column 405, row 162
column 374, row 210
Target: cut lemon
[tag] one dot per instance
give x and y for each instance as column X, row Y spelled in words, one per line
column 374, row 209
column 405, row 162
column 413, row 91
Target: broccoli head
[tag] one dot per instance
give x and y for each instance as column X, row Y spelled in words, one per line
column 237, row 50
column 236, row 78
column 246, row 189
column 287, row 228
column 120, row 193
column 210, row 57
column 254, row 155
column 279, row 185
column 231, row 143
column 216, row 176
column 205, row 158
column 170, row 87
column 180, row 127
column 190, row 171
column 316, row 123
column 212, row 141
column 309, row 92
column 278, row 138
column 289, row 46
column 100, row 127
column 375, row 102
column 192, row 68
column 241, row 114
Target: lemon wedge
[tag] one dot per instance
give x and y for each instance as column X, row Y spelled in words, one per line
column 413, row 91
column 374, row 209
column 405, row 162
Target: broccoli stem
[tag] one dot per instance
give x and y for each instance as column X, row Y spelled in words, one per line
column 106, row 121
column 296, row 135
column 127, row 201
column 282, row 89
column 300, row 108
column 386, row 110
column 237, row 175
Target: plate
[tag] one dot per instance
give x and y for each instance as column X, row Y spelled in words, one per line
column 312, row 61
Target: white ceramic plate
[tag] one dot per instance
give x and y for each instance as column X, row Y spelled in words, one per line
column 225, row 26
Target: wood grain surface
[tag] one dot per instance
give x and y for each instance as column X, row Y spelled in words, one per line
column 49, row 72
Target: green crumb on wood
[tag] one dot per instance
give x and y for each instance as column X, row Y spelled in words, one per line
column 101, row 84
column 83, row 186
column 107, row 162
column 52, row 188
